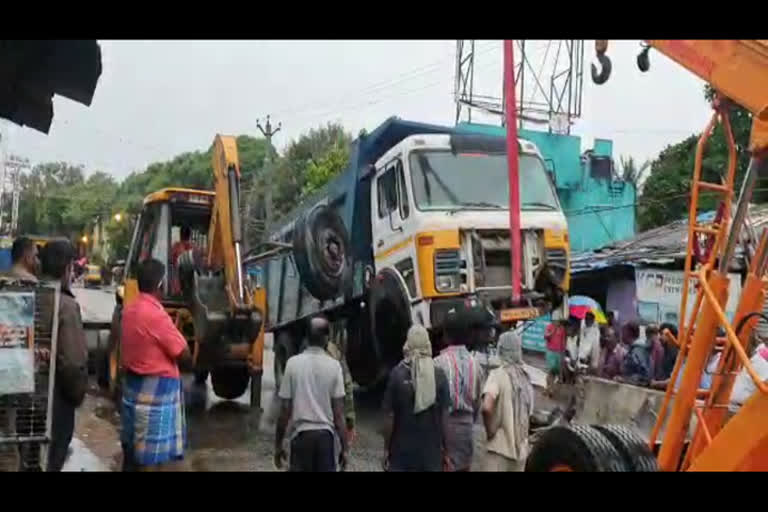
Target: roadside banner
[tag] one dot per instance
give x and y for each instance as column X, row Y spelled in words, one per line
column 658, row 294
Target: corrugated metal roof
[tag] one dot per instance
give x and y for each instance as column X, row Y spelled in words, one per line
column 660, row 246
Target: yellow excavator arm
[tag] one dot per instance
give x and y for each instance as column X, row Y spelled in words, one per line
column 225, row 230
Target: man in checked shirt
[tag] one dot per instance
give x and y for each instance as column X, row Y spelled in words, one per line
column 465, row 384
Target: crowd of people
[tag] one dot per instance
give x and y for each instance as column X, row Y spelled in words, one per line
column 431, row 404
column 610, row 351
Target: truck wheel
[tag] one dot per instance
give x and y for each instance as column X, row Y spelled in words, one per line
column 200, row 377
column 230, row 382
column 576, row 448
column 320, row 249
column 390, row 316
column 633, row 448
column 284, row 348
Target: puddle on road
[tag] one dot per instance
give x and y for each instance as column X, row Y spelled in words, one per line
column 82, row 459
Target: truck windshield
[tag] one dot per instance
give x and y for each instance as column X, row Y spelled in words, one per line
column 446, row 181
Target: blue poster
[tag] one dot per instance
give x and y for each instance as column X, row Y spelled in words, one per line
column 533, row 333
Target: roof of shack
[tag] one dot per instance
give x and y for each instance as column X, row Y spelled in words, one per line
column 659, row 246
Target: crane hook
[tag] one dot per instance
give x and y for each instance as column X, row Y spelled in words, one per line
column 643, row 62
column 601, row 45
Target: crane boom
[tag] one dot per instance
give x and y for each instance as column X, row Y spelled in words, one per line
column 738, row 71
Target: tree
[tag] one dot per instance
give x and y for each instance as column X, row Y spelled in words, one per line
column 319, row 172
column 306, row 165
column 631, row 172
column 666, row 192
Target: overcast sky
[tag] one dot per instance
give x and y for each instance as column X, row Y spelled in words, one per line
column 156, row 99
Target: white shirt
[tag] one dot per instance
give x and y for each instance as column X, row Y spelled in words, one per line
column 588, row 345
column 311, row 380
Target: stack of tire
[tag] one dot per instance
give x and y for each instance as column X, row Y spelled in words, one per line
column 596, row 448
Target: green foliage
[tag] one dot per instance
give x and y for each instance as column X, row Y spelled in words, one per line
column 321, row 171
column 57, row 199
column 306, row 165
column 631, row 171
column 666, row 192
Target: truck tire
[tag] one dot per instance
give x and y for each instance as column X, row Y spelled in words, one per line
column 284, row 347
column 390, row 309
column 320, row 249
column 577, row 448
column 230, row 382
column 634, row 449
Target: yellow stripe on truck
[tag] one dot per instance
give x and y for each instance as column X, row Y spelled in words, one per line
column 427, row 243
column 395, row 248
column 558, row 239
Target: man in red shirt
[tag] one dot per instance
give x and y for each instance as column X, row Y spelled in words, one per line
column 178, row 248
column 153, row 422
column 555, row 337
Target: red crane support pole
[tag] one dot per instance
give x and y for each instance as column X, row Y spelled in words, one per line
column 513, row 163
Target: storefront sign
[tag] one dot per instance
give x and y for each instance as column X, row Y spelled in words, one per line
column 658, row 294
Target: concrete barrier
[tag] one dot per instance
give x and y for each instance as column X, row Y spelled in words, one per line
column 608, row 402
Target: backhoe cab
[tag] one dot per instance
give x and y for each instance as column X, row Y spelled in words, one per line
column 204, row 290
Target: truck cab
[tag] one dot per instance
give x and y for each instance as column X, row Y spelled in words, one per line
column 440, row 221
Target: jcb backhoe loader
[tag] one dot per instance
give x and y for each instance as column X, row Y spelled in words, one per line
column 205, row 291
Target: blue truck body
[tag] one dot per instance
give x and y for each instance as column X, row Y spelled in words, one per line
column 349, row 194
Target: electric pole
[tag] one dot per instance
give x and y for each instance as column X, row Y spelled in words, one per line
column 268, row 161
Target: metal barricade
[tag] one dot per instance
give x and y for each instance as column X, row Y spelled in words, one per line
column 28, row 333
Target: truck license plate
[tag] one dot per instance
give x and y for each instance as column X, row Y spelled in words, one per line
column 511, row 315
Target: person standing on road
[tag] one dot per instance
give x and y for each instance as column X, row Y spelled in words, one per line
column 25, row 260
column 416, row 401
column 464, row 378
column 507, row 408
column 312, row 399
column 151, row 349
column 555, row 336
column 71, row 380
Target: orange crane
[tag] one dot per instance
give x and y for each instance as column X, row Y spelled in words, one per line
column 738, row 72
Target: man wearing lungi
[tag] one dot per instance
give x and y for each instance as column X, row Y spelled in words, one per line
column 152, row 417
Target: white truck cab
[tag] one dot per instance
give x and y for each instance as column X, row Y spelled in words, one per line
column 440, row 218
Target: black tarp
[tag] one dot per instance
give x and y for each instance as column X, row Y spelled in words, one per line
column 32, row 71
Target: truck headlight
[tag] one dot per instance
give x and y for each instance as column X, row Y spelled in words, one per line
column 447, row 270
column 447, row 283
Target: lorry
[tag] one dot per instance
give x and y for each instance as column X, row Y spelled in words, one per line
column 415, row 226
column 204, row 289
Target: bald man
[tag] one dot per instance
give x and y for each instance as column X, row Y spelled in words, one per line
column 312, row 399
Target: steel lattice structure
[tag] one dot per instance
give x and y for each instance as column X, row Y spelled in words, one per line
column 549, row 77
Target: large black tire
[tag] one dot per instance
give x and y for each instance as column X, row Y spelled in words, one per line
column 577, row 448
column 321, row 251
column 390, row 309
column 230, row 382
column 633, row 448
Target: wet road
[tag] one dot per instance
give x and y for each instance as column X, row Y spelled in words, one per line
column 223, row 435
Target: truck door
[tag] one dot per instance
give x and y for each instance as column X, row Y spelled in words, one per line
column 391, row 211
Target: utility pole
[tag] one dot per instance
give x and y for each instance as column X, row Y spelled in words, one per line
column 10, row 179
column 268, row 161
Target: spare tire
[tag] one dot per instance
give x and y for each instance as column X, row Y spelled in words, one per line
column 577, row 448
column 320, row 249
column 637, row 454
